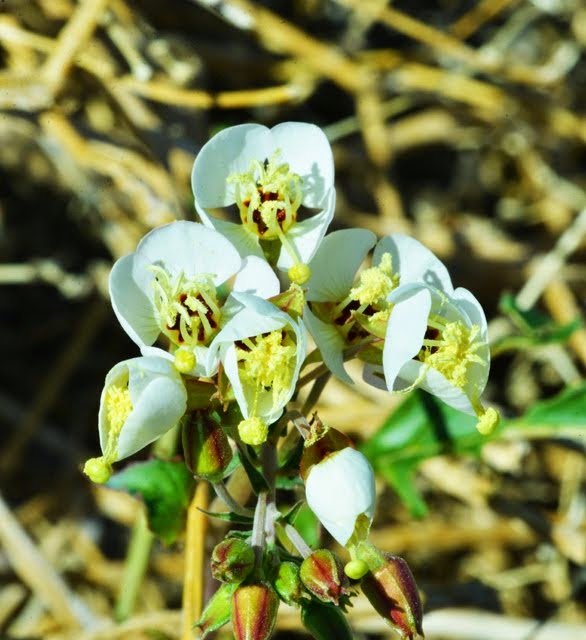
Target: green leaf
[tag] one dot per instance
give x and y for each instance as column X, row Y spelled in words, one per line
column 218, row 610
column 256, row 478
column 419, row 428
column 165, row 488
column 325, row 622
column 567, row 409
column 307, row 525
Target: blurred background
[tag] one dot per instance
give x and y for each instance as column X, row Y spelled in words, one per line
column 462, row 123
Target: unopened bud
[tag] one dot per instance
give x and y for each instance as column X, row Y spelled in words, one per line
column 291, row 301
column 217, row 611
column 254, row 611
column 206, row 447
column 288, row 584
column 323, row 575
column 232, row 560
column 390, row 587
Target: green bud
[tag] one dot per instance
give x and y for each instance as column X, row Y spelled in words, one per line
column 206, row 447
column 323, row 575
column 291, row 301
column 390, row 587
column 254, row 611
column 288, row 584
column 232, row 560
column 218, row 610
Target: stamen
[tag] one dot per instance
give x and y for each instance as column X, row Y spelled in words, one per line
column 118, row 408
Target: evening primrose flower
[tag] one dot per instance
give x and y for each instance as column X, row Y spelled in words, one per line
column 437, row 342
column 350, row 310
column 142, row 399
column 261, row 349
column 170, row 286
column 269, row 174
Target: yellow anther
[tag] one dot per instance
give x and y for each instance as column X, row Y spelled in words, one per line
column 488, row 421
column 356, row 569
column 118, row 408
column 184, row 360
column 253, row 431
column 376, row 283
column 98, row 470
column 299, row 273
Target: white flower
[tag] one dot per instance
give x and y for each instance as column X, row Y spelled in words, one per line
column 262, row 349
column 340, row 490
column 349, row 311
column 268, row 174
column 142, row 399
column 437, row 342
column 171, row 286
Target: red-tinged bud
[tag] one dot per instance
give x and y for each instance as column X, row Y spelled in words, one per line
column 323, row 575
column 391, row 589
column 288, row 584
column 206, row 447
column 254, row 611
column 232, row 560
column 291, row 301
column 217, row 611
column 321, row 443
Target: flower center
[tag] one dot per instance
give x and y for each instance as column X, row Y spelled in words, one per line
column 187, row 308
column 268, row 197
column 365, row 311
column 118, row 408
column 450, row 347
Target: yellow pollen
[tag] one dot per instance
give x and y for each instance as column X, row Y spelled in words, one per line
column 376, row 283
column 188, row 311
column 268, row 197
column 488, row 421
column 118, row 408
column 270, row 363
column 253, row 431
column 184, row 360
column 453, row 351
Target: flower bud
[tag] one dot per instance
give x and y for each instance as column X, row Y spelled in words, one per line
column 391, row 589
column 217, row 611
column 254, row 611
column 339, row 485
column 288, row 584
column 232, row 560
column 323, row 575
column 206, row 447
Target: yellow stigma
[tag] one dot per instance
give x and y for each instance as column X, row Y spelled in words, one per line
column 488, row 421
column 253, row 431
column 188, row 311
column 118, row 408
column 98, row 470
column 184, row 360
column 376, row 283
column 453, row 350
column 299, row 273
column 356, row 569
column 268, row 197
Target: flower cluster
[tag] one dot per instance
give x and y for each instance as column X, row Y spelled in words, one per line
column 222, row 310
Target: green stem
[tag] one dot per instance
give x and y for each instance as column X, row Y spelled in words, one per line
column 141, row 542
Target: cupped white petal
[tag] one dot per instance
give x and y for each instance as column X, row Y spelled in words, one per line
column 307, row 151
column 256, row 277
column 329, row 342
column 229, row 151
column 132, row 304
column 256, row 316
column 406, row 328
column 191, row 248
column 414, row 262
column 340, row 489
column 158, row 399
column 206, row 364
column 468, row 303
column 334, row 266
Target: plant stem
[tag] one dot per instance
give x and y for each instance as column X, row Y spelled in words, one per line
column 226, row 497
column 297, row 541
column 141, row 541
column 258, row 528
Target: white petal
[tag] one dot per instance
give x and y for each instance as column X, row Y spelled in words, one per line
column 132, row 304
column 336, row 262
column 256, row 277
column 329, row 342
column 373, row 374
column 306, row 236
column 191, row 248
column 339, row 489
column 414, row 262
column 257, row 316
column 307, row 151
column 230, row 151
column 466, row 301
column 406, row 329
